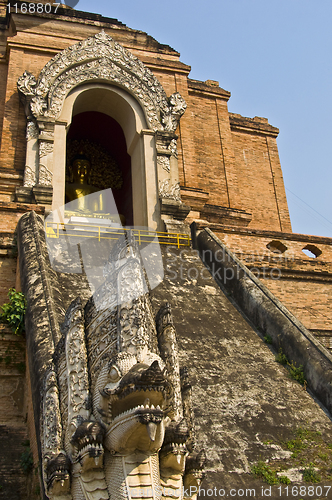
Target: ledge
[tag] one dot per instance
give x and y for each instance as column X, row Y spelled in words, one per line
column 208, row 89
column 257, row 125
column 196, row 198
column 6, row 206
column 88, row 18
column 225, row 214
column 306, row 238
column 154, row 63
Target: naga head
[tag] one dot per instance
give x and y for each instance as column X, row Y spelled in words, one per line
column 133, row 403
column 58, row 474
column 87, row 443
column 174, row 451
column 194, row 472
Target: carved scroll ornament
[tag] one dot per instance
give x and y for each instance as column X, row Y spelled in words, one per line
column 29, row 177
column 31, row 131
column 168, row 191
column 45, row 176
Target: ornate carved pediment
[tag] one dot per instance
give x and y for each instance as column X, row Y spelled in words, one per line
column 100, row 58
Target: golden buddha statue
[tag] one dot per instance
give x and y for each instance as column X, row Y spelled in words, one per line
column 80, row 190
column 86, row 200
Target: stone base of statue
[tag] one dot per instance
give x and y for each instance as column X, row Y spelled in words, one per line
column 112, row 221
column 95, row 226
column 94, row 218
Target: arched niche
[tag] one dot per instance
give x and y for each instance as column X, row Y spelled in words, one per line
column 99, row 74
column 98, row 130
column 140, row 142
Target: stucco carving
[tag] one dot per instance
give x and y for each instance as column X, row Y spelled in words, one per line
column 166, row 144
column 26, row 84
column 45, row 148
column 169, row 191
column 31, row 131
column 45, row 176
column 38, row 105
column 177, row 106
column 97, row 59
column 29, row 177
column 164, row 163
column 120, row 409
column 173, row 147
column 100, row 58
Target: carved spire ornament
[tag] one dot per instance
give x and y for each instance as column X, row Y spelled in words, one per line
column 117, row 415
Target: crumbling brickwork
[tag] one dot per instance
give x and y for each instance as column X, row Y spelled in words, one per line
column 301, row 281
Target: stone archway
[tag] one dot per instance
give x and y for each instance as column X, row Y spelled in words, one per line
column 104, row 70
column 122, row 107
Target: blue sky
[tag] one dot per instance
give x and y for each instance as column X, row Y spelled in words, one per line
column 275, row 59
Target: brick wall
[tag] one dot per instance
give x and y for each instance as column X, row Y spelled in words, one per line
column 13, row 430
column 255, row 184
column 7, row 277
column 301, row 282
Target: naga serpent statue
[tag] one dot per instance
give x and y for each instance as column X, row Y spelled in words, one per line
column 117, row 413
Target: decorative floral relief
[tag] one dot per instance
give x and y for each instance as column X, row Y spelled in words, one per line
column 170, row 192
column 31, row 131
column 52, row 420
column 177, row 106
column 130, row 283
column 45, row 148
column 45, row 176
column 37, row 105
column 100, row 57
column 29, row 177
column 173, row 147
column 27, row 84
column 105, row 69
column 78, row 383
column 163, row 162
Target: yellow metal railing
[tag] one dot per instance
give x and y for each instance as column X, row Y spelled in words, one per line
column 101, row 232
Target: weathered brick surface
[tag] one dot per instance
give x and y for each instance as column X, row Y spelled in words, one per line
column 12, row 377
column 243, row 400
column 12, row 479
column 302, row 283
column 255, row 181
column 7, row 277
column 13, row 430
column 309, row 301
column 30, row 417
column 208, row 168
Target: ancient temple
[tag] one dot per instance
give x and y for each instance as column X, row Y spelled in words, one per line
column 148, row 228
